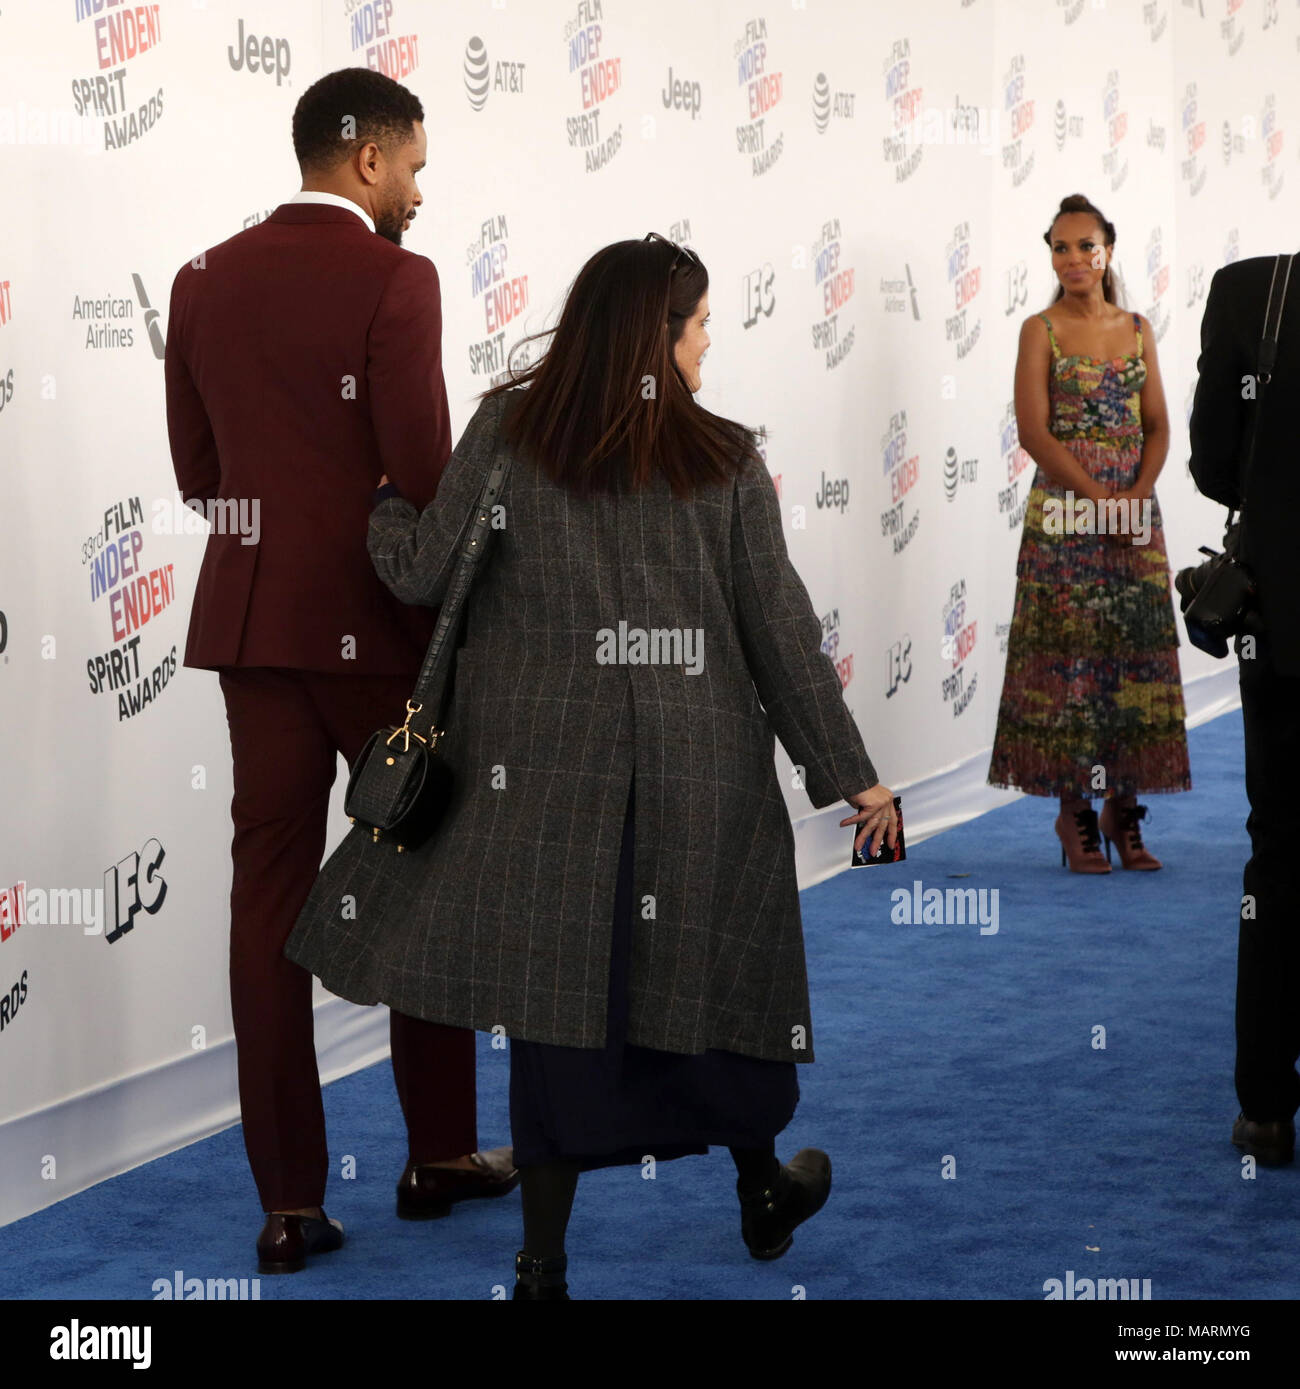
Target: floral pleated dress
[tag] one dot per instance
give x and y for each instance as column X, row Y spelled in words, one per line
column 1092, row 677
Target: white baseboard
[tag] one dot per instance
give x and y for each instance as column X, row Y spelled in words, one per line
column 104, row 1132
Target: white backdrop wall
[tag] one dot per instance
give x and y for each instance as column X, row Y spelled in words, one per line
column 868, row 185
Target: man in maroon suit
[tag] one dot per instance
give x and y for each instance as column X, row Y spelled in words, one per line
column 303, row 362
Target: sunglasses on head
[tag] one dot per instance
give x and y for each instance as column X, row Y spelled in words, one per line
column 684, row 253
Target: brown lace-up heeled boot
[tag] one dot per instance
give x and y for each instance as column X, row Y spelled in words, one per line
column 1119, row 825
column 1076, row 827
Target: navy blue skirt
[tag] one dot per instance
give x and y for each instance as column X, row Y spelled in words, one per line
column 610, row 1106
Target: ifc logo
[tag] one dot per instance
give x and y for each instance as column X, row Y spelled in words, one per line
column 476, row 73
column 821, row 103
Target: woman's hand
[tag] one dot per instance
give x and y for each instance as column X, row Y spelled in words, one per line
column 1137, row 493
column 1128, row 514
column 383, row 480
column 876, row 816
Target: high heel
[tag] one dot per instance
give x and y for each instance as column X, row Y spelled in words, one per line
column 1080, row 841
column 541, row 1280
column 1119, row 823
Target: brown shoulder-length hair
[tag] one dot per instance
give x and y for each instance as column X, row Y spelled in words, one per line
column 606, row 400
column 1076, row 202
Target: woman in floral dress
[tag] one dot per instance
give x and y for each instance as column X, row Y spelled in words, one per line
column 1092, row 702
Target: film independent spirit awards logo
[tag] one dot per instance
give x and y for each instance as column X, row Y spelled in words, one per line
column 834, row 282
column 496, row 284
column 902, row 470
column 600, row 78
column 119, row 37
column 763, row 87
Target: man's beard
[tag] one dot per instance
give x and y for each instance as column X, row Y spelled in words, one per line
column 389, row 223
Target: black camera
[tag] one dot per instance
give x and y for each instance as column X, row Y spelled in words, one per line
column 1217, row 597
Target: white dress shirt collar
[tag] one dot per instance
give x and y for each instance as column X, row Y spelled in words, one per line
column 334, row 200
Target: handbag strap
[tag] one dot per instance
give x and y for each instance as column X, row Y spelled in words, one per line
column 1267, row 360
column 476, row 539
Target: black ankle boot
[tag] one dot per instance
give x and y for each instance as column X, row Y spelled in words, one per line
column 541, row 1280
column 768, row 1217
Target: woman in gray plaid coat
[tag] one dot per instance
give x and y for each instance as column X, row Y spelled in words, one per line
column 614, row 886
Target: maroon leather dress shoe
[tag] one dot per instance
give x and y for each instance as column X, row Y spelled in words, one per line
column 286, row 1240
column 428, row 1193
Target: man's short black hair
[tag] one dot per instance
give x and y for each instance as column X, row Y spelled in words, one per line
column 382, row 110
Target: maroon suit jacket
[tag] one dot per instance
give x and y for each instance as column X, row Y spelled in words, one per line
column 303, row 361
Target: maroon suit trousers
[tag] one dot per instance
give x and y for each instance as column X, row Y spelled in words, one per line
column 286, row 730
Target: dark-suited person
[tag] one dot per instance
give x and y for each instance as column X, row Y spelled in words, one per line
column 1268, row 942
column 303, row 361
column 614, row 764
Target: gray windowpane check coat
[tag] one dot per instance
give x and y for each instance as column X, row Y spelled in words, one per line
column 503, row 920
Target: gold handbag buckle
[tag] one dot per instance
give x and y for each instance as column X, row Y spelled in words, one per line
column 406, row 732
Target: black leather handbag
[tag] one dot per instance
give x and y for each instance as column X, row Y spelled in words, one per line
column 1217, row 597
column 399, row 786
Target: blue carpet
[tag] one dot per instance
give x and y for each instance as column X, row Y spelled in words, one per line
column 935, row 1042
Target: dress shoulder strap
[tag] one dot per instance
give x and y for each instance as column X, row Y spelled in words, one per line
column 1056, row 351
column 1137, row 323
